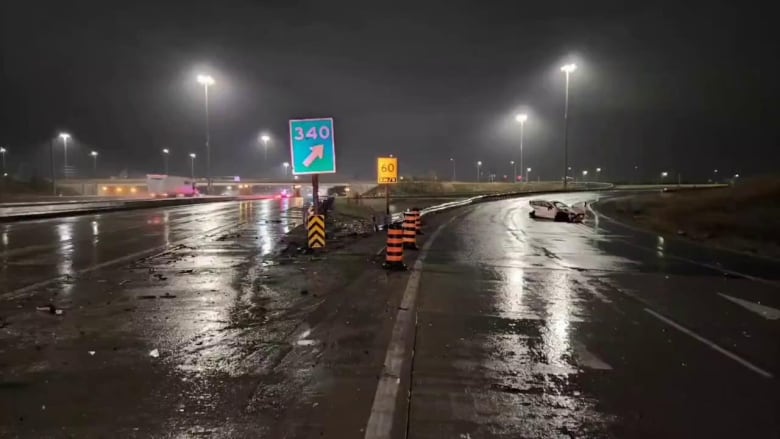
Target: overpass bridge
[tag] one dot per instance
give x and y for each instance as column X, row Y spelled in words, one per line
column 222, row 185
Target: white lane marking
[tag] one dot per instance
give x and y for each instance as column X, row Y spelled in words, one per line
column 764, row 311
column 19, row 292
column 711, row 344
column 380, row 422
column 588, row 359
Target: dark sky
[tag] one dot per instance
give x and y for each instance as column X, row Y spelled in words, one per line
column 677, row 87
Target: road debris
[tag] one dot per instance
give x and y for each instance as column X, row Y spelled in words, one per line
column 51, row 309
column 154, row 353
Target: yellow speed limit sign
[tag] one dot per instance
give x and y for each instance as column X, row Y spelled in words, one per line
column 387, row 170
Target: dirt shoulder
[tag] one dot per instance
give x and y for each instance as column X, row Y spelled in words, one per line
column 741, row 218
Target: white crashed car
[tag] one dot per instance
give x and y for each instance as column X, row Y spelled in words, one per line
column 557, row 211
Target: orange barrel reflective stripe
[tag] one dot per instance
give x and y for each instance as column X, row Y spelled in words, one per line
column 418, row 220
column 410, row 230
column 394, row 254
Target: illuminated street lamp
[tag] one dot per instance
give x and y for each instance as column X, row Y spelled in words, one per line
column 514, row 169
column 286, row 166
column 2, row 152
column 568, row 69
column 452, row 160
column 207, row 81
column 64, row 137
column 192, row 165
column 479, row 165
column 664, row 175
column 165, row 153
column 521, row 118
column 598, row 174
column 527, row 174
column 584, row 173
column 94, row 155
column 265, row 138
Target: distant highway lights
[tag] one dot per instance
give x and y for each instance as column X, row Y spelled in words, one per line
column 598, row 174
column 479, row 165
column 94, row 155
column 192, row 165
column 265, row 138
column 2, row 153
column 65, row 137
column 514, row 169
column 522, row 117
column 452, row 160
column 165, row 153
column 568, row 69
column 527, row 174
column 584, row 174
column 207, row 81
column 286, row 166
column 664, row 174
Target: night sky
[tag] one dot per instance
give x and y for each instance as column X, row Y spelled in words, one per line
column 676, row 87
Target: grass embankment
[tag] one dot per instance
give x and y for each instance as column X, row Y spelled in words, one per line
column 743, row 217
column 455, row 189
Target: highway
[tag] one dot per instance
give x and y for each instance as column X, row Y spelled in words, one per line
column 517, row 328
column 36, row 252
column 532, row 328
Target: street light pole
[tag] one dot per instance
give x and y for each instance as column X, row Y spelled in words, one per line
column 65, row 137
column 165, row 153
column 286, row 167
column 514, row 169
column 265, row 138
column 453, row 168
column 3, row 151
column 94, row 155
column 521, row 118
column 567, row 69
column 207, row 81
column 479, row 165
column 192, row 165
column 527, row 173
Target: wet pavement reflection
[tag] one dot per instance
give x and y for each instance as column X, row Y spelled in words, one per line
column 532, row 328
column 163, row 344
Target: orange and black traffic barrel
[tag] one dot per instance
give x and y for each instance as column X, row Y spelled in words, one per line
column 394, row 254
column 418, row 220
column 410, row 230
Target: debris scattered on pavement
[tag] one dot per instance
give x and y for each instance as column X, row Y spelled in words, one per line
column 159, row 276
column 304, row 292
column 168, row 296
column 51, row 309
column 147, row 296
column 190, row 271
column 154, row 353
column 91, row 353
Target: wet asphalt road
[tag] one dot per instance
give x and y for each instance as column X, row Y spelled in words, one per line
column 529, row 328
column 524, row 328
column 39, row 251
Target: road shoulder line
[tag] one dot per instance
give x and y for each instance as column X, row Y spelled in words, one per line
column 598, row 214
column 384, row 407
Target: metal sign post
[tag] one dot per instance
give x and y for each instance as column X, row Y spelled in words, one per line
column 315, row 193
column 387, row 174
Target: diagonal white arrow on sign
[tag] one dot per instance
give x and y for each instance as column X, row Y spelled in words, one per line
column 764, row 311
